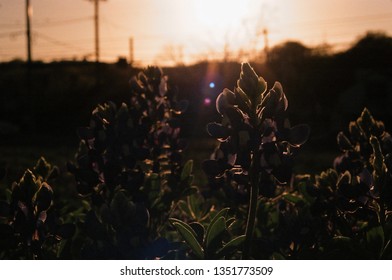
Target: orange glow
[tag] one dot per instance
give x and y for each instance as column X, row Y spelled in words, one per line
column 184, row 29
column 220, row 14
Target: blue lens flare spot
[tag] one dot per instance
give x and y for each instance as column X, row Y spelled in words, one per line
column 212, row 85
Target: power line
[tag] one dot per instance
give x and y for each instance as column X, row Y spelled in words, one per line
column 50, row 22
column 113, row 24
column 63, row 22
column 57, row 42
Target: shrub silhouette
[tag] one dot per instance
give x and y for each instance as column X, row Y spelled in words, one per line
column 129, row 169
column 135, row 197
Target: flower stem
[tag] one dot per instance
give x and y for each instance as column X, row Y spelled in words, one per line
column 254, row 191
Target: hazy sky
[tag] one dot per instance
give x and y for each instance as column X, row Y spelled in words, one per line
column 165, row 28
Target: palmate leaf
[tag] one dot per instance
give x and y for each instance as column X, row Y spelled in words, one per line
column 190, row 237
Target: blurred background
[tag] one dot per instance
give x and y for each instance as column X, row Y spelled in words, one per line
column 58, row 59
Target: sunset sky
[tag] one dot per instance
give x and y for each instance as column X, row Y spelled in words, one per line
column 187, row 30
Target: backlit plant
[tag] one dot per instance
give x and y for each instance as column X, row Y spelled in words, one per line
column 30, row 227
column 130, row 168
column 257, row 142
column 136, row 199
column 344, row 212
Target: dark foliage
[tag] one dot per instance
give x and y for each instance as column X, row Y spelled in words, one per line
column 129, row 166
column 134, row 198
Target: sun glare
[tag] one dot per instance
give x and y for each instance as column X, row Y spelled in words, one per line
column 219, row 15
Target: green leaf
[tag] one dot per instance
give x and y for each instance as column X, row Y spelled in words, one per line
column 277, row 256
column 195, row 206
column 189, row 191
column 184, row 207
column 189, row 236
column 153, row 186
column 214, row 231
column 339, row 240
column 122, row 209
column 199, row 230
column 188, row 227
column 221, row 213
column 302, row 189
column 292, row 198
column 230, row 222
column 375, row 240
column 154, row 176
column 187, row 170
column 231, row 246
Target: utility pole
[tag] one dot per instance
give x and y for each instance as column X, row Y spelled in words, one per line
column 96, row 21
column 29, row 12
column 96, row 31
column 131, row 51
column 96, row 28
column 266, row 43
